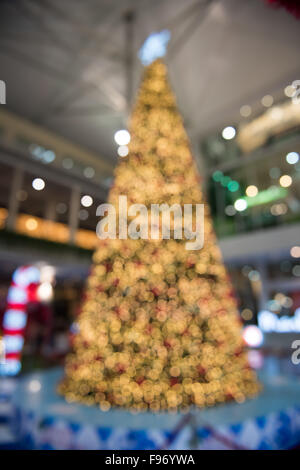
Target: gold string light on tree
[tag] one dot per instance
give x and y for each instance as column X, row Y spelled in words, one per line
column 159, row 327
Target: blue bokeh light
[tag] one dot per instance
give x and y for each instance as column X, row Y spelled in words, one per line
column 155, row 46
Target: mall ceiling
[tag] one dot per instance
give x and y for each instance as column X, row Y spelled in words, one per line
column 70, row 66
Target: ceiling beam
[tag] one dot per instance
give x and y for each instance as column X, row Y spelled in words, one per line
column 197, row 15
column 38, row 21
column 75, row 60
column 99, row 111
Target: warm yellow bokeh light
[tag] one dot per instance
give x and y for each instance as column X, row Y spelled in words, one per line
column 295, row 251
column 247, row 314
column 285, row 181
column 31, row 224
column 159, row 328
column 251, row 191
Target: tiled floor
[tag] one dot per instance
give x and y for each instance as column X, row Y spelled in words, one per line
column 269, row 421
column 7, row 438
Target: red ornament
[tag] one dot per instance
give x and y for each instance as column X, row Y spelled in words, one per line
column 238, row 352
column 121, row 368
column 140, row 380
column 229, row 396
column 149, row 329
column 173, row 381
column 201, row 370
column 155, row 291
column 108, row 267
column 190, row 263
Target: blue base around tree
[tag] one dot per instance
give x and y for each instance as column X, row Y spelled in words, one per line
column 43, row 420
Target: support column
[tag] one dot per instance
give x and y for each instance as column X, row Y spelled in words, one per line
column 73, row 213
column 14, row 203
column 129, row 56
column 199, row 157
column 50, row 212
column 264, row 293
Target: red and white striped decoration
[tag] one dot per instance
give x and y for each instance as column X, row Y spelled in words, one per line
column 23, row 290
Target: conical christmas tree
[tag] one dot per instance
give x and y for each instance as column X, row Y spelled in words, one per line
column 159, row 327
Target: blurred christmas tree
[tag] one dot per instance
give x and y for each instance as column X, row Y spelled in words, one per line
column 159, row 327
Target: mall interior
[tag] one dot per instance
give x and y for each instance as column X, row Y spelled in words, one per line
column 70, row 72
